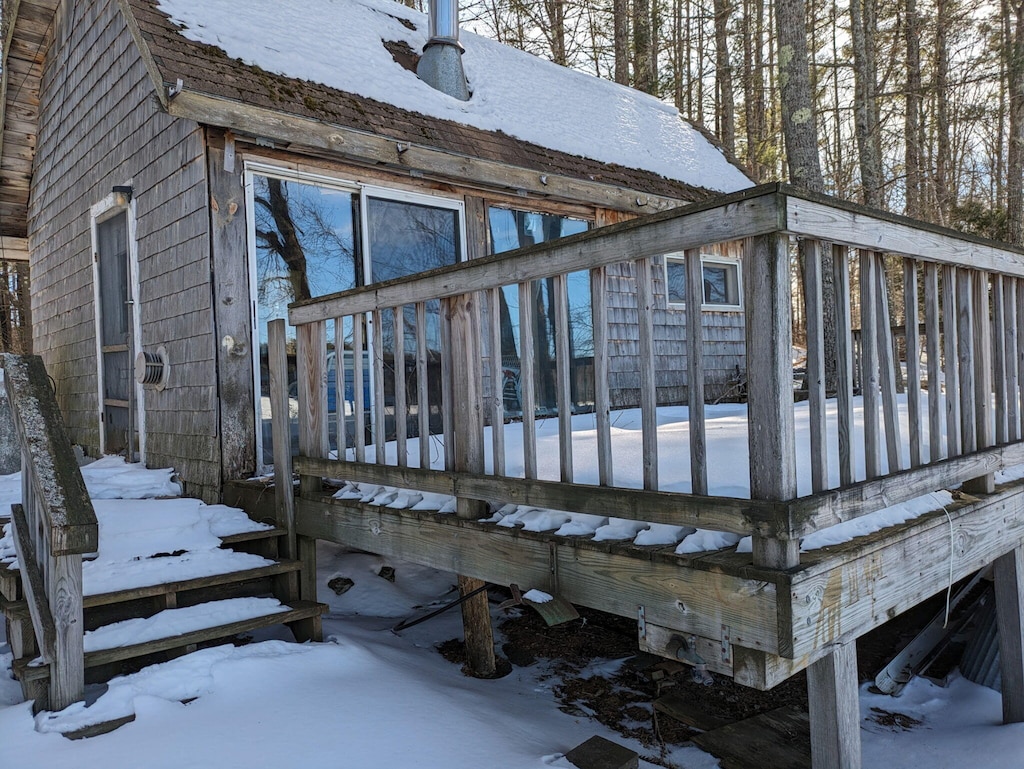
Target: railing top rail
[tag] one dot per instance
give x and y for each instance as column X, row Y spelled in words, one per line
column 744, row 214
column 58, row 484
column 755, row 211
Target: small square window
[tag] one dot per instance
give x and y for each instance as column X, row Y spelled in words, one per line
column 721, row 282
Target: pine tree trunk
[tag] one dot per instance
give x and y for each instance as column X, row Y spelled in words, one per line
column 1015, row 156
column 798, row 121
column 620, row 40
column 865, row 105
column 726, row 106
column 912, row 113
column 644, row 77
column 942, row 145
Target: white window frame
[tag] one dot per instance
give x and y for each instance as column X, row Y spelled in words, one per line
column 713, row 259
column 256, row 168
column 109, row 207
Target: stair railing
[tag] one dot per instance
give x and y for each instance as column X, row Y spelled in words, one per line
column 54, row 526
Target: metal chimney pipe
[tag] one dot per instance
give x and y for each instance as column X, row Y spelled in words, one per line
column 440, row 65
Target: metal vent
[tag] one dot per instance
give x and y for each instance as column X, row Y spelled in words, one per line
column 152, row 368
column 441, row 64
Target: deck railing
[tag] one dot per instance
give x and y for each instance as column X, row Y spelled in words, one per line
column 963, row 418
column 53, row 527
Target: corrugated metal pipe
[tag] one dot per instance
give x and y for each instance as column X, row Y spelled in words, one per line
column 441, row 63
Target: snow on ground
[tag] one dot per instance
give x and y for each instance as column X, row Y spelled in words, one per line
column 339, row 43
column 370, row 698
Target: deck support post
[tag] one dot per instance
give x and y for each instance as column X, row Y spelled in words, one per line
column 1009, row 585
column 467, row 455
column 835, row 709
column 770, row 386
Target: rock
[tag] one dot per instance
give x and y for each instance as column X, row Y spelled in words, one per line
column 387, row 572
column 340, row 585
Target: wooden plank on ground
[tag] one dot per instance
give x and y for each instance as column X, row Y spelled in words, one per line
column 778, row 739
column 686, row 710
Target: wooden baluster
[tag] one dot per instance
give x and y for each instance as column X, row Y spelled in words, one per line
column 999, row 357
column 1020, row 350
column 769, row 350
column 497, row 382
column 695, row 371
column 358, row 400
column 815, row 363
column 527, row 396
column 563, row 383
column 932, row 338
column 340, row 418
column 965, row 361
column 950, row 361
column 422, row 386
column 401, row 404
column 380, row 425
column 982, row 344
column 311, row 361
column 602, row 401
column 648, row 382
column 887, row 371
column 869, row 354
column 912, row 333
column 844, row 363
column 1011, row 352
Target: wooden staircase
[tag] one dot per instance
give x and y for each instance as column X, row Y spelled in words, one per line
column 275, row 584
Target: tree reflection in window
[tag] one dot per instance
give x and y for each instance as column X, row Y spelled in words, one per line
column 306, row 246
column 511, row 229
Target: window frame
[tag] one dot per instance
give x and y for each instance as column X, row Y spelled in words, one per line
column 707, row 259
column 253, row 168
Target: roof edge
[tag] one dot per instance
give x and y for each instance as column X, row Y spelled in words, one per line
column 262, row 123
column 144, row 52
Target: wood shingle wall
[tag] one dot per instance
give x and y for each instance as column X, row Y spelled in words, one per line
column 100, row 126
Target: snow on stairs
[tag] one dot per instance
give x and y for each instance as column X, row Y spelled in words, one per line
column 144, row 621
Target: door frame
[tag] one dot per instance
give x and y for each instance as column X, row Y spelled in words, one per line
column 110, row 206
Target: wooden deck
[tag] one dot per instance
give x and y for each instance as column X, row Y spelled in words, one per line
column 757, row 617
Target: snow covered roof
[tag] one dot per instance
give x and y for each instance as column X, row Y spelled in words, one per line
column 346, row 62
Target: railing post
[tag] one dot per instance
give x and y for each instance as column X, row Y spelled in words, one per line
column 769, row 349
column 284, row 490
column 467, row 456
column 311, row 359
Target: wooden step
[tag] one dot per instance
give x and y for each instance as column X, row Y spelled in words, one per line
column 198, row 583
column 251, row 536
column 295, row 613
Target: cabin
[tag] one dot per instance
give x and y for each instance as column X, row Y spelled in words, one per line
column 486, row 345
column 175, row 193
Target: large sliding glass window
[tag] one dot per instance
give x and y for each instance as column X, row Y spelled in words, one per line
column 305, row 242
column 310, row 237
column 511, row 229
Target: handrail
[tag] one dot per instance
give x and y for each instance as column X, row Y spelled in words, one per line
column 970, row 323
column 54, row 526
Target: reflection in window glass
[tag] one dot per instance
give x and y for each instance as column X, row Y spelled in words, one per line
column 512, row 229
column 403, row 239
column 306, row 246
column 721, row 282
